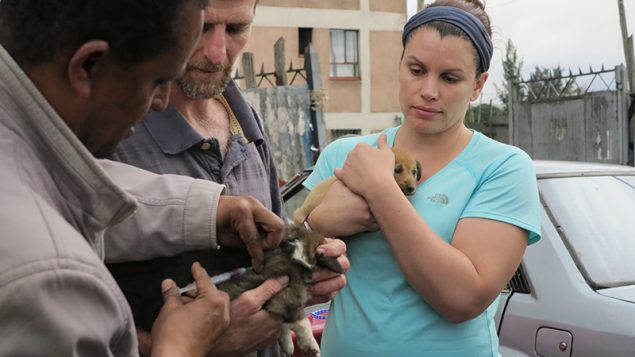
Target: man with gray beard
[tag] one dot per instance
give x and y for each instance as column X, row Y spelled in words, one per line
column 210, row 132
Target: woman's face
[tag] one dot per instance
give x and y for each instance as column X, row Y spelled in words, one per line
column 437, row 80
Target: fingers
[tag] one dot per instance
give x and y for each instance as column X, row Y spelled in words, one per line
column 204, row 284
column 270, row 225
column 382, row 142
column 332, row 248
column 192, row 327
column 263, row 293
column 255, row 226
column 171, row 294
column 248, row 233
column 329, row 287
column 266, row 233
column 328, row 283
column 339, row 174
column 144, row 339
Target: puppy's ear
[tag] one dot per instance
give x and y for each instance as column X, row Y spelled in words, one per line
column 330, row 263
column 418, row 170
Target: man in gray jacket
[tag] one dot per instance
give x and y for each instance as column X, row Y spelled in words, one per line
column 75, row 75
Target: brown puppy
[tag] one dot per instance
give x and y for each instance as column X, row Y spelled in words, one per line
column 407, row 174
column 296, row 257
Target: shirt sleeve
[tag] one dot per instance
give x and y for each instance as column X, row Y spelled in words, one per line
column 509, row 193
column 175, row 214
column 71, row 310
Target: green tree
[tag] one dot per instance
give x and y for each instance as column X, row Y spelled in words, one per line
column 483, row 113
column 512, row 64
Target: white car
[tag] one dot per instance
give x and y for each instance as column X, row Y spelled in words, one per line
column 574, row 293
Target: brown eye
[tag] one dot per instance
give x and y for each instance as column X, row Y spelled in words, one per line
column 414, row 172
column 398, row 169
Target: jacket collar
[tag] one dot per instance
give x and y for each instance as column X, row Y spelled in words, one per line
column 95, row 200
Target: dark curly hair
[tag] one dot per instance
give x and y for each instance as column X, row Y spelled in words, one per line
column 35, row 31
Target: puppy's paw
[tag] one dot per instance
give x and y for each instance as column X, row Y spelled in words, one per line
column 311, row 353
column 306, row 340
column 286, row 343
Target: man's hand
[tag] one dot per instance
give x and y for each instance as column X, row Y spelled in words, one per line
column 243, row 220
column 326, row 282
column 190, row 328
column 251, row 327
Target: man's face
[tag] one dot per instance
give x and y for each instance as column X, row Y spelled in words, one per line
column 123, row 95
column 225, row 33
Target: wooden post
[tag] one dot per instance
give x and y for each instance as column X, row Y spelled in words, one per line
column 511, row 98
column 248, row 69
column 318, row 97
column 281, row 73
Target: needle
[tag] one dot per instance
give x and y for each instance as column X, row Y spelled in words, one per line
column 217, row 279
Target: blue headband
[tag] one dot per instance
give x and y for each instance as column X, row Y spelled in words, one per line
column 465, row 21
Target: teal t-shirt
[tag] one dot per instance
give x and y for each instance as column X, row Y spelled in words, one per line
column 378, row 313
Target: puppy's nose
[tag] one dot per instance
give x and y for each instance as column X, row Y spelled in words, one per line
column 409, row 190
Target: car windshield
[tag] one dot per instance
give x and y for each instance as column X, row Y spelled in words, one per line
column 596, row 218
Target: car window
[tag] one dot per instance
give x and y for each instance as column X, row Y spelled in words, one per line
column 596, row 219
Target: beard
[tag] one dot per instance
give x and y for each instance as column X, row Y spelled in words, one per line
column 196, row 88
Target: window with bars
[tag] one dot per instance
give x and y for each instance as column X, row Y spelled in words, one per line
column 344, row 61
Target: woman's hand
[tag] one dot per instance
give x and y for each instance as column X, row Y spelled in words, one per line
column 341, row 213
column 367, row 169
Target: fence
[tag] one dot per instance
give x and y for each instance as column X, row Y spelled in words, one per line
column 576, row 117
column 291, row 113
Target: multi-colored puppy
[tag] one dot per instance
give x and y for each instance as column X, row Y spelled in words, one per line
column 407, row 174
column 296, row 257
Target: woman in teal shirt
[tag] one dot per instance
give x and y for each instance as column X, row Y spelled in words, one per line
column 427, row 282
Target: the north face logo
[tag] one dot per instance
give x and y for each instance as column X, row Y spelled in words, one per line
column 439, row 198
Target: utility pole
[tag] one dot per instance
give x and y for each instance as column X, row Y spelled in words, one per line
column 629, row 57
column 420, row 4
column 627, row 41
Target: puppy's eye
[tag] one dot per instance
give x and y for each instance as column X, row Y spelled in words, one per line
column 398, row 169
column 414, row 172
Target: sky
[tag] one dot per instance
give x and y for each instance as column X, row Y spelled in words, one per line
column 574, row 34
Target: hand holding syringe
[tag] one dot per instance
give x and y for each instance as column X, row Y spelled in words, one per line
column 216, row 279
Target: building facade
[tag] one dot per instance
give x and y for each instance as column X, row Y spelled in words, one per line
column 359, row 47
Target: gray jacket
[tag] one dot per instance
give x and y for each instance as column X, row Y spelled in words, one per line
column 56, row 296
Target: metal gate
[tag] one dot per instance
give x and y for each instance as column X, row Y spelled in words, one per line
column 292, row 115
column 575, row 117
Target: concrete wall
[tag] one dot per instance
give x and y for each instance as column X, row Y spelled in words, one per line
column 385, row 51
column 388, row 6
column 285, row 114
column 585, row 128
